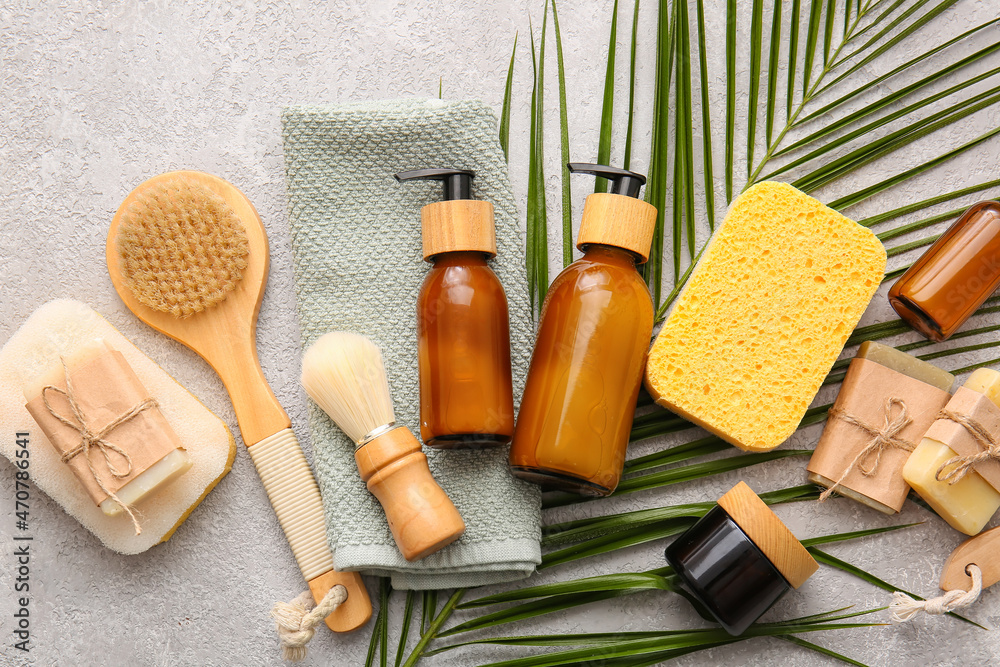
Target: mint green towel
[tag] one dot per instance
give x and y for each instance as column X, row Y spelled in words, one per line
column 358, row 268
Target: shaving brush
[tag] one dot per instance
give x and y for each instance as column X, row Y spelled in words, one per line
column 345, row 375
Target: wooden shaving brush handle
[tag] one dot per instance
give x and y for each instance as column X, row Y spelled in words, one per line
column 422, row 518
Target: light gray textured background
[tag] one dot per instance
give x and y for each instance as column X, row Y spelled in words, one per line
column 97, row 96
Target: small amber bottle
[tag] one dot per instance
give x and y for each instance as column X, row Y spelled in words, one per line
column 466, row 395
column 596, row 322
column 954, row 277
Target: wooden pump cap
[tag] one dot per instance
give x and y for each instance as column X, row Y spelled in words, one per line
column 616, row 220
column 769, row 534
column 458, row 225
column 422, row 518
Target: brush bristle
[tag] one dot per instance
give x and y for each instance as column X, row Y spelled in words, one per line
column 344, row 374
column 182, row 247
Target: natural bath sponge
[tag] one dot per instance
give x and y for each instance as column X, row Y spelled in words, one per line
column 764, row 315
column 57, row 329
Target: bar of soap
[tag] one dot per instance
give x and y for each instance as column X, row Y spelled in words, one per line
column 878, row 373
column 158, row 475
column 60, row 328
column 156, row 461
column 764, row 315
column 907, row 364
column 969, row 504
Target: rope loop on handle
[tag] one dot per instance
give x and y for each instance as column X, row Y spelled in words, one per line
column 296, row 622
column 903, row 607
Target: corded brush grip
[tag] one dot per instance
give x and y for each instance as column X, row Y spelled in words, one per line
column 422, row 518
column 293, row 493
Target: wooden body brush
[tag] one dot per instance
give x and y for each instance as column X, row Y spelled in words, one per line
column 345, row 375
column 188, row 255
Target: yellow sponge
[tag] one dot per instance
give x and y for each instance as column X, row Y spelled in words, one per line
column 58, row 329
column 764, row 315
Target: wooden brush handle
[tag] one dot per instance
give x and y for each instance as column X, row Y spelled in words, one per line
column 421, row 516
column 982, row 551
column 295, row 498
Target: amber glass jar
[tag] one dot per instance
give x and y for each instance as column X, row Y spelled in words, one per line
column 466, row 397
column 579, row 400
column 953, row 278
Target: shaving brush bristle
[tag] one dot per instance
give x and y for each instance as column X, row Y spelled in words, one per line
column 344, row 374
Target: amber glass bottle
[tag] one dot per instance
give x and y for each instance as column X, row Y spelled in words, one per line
column 954, row 277
column 466, row 394
column 462, row 328
column 576, row 413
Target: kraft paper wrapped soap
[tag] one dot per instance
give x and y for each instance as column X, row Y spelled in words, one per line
column 62, row 328
column 106, row 427
column 887, row 400
column 956, row 467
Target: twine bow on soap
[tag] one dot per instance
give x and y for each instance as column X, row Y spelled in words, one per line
column 896, row 418
column 990, row 449
column 89, row 439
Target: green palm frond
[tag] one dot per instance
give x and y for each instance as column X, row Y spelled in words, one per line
column 846, row 104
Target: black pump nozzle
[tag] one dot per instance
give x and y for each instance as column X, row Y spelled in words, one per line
column 623, row 181
column 457, row 182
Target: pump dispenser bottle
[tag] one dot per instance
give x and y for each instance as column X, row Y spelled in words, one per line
column 466, row 396
column 596, row 322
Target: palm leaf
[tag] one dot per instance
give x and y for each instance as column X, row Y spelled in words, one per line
column 505, row 109
column 815, row 11
column 817, row 157
column 428, row 611
column 680, row 475
column 872, row 190
column 627, row 160
column 549, row 598
column 798, row 641
column 793, row 54
column 926, row 203
column 899, row 36
column 656, row 185
column 706, row 124
column 567, row 195
column 756, row 38
column 608, row 103
column 772, row 71
column 827, row 559
column 871, row 83
column 535, row 217
column 404, row 633
column 831, row 16
column 434, row 627
column 730, row 95
column 684, row 103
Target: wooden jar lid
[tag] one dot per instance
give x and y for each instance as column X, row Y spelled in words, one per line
column 458, row 225
column 617, row 220
column 769, row 534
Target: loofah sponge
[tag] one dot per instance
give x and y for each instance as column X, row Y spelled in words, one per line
column 57, row 329
column 182, row 248
column 764, row 315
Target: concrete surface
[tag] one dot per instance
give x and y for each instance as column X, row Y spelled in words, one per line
column 100, row 95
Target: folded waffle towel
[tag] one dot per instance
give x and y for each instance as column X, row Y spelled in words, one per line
column 358, row 268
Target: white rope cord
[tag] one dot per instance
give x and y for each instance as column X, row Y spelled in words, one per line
column 296, row 622
column 903, row 607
